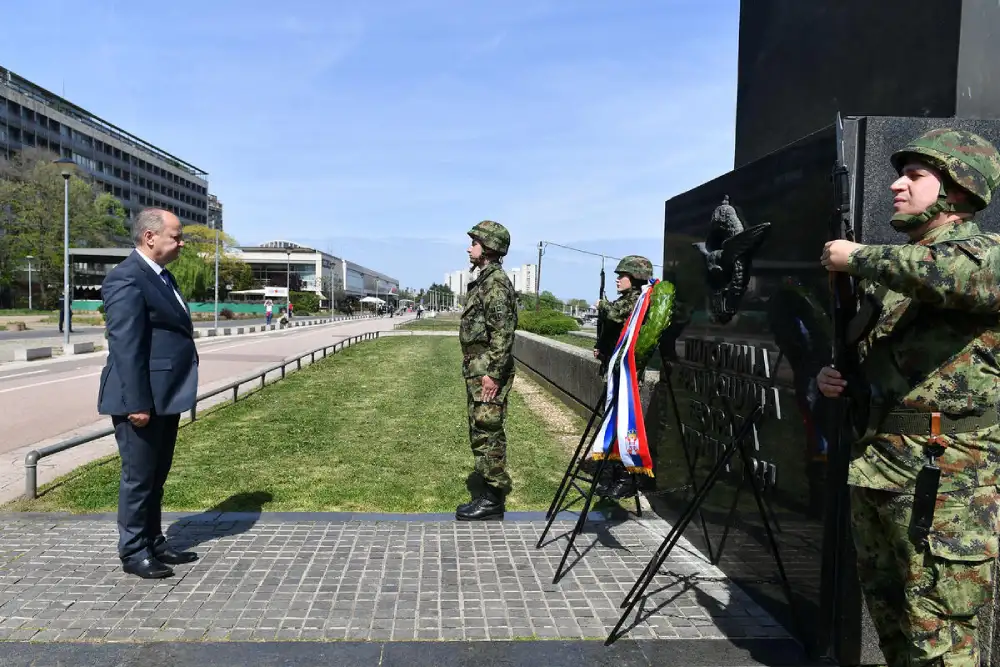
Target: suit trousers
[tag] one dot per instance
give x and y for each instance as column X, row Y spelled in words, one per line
column 146, row 454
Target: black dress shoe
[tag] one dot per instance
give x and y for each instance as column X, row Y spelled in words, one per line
column 171, row 557
column 148, row 568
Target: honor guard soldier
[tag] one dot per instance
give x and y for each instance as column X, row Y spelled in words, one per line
column 924, row 473
column 632, row 271
column 487, row 339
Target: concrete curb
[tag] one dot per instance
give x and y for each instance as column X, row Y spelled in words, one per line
column 48, row 352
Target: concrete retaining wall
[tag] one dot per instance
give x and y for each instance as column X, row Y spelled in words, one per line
column 569, row 371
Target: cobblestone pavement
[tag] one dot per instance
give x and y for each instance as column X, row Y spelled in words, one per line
column 358, row 577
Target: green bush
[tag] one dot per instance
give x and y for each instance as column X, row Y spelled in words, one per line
column 227, row 314
column 304, row 303
column 546, row 322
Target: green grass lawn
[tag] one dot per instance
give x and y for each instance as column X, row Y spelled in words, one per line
column 445, row 322
column 579, row 341
column 5, row 312
column 379, row 427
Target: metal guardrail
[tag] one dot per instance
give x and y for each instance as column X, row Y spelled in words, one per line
column 34, row 456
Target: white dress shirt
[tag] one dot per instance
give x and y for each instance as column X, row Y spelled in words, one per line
column 166, row 281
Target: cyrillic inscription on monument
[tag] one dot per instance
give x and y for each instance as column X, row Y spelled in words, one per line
column 742, row 375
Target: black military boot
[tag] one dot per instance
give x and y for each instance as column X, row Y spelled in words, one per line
column 488, row 506
column 624, row 486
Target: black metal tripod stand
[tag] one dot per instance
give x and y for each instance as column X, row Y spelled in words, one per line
column 572, row 479
column 663, row 551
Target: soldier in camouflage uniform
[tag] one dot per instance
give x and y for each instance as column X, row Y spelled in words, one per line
column 487, row 339
column 931, row 360
column 633, row 271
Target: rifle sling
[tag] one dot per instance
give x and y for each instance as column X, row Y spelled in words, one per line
column 921, row 423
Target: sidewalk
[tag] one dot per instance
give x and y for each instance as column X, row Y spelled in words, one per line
column 377, row 578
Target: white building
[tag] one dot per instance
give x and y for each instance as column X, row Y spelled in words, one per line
column 523, row 278
column 458, row 281
column 278, row 263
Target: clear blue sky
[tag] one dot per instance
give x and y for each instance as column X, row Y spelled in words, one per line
column 381, row 131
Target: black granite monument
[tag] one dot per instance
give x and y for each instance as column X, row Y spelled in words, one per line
column 754, row 323
column 802, row 62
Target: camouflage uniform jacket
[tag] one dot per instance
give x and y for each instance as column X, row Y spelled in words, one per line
column 618, row 310
column 934, row 348
column 615, row 314
column 488, row 323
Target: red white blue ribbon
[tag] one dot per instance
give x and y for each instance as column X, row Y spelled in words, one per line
column 622, row 435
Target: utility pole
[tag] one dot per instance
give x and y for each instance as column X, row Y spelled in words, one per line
column 538, row 276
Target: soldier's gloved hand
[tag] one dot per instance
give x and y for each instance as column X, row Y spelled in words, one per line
column 830, row 382
column 489, row 389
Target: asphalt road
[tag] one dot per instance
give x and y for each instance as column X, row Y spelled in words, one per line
column 42, row 400
column 52, row 331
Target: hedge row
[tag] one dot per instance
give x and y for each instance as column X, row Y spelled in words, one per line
column 546, row 322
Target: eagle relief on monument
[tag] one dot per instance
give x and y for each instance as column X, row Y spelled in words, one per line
column 728, row 252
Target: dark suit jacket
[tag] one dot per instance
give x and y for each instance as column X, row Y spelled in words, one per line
column 152, row 360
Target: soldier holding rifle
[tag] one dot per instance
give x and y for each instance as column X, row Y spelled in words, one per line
column 925, row 470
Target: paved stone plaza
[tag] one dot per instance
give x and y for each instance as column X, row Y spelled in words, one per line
column 279, row 577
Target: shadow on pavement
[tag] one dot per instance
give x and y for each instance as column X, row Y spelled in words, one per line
column 233, row 516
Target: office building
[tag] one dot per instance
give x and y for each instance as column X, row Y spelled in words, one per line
column 215, row 213
column 132, row 169
column 274, row 264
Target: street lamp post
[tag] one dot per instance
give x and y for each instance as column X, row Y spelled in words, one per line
column 288, row 278
column 67, row 301
column 29, row 258
column 215, row 226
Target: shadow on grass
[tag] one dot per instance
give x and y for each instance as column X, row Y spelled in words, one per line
column 234, row 515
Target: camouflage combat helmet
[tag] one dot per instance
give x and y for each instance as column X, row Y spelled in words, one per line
column 966, row 159
column 492, row 236
column 636, row 266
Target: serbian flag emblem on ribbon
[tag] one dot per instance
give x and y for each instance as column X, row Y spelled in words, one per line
column 622, row 435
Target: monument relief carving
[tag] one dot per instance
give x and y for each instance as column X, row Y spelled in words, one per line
column 728, row 251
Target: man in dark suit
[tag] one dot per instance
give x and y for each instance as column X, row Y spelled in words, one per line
column 151, row 377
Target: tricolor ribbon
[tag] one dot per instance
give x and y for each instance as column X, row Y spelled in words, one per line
column 623, row 424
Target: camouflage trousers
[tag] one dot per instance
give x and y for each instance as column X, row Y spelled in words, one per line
column 486, row 432
column 923, row 599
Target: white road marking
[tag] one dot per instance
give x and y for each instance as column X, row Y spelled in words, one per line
column 88, row 375
column 17, row 375
column 42, row 384
column 217, row 348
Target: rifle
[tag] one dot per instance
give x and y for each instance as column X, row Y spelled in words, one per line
column 843, row 309
column 600, row 318
column 843, row 286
